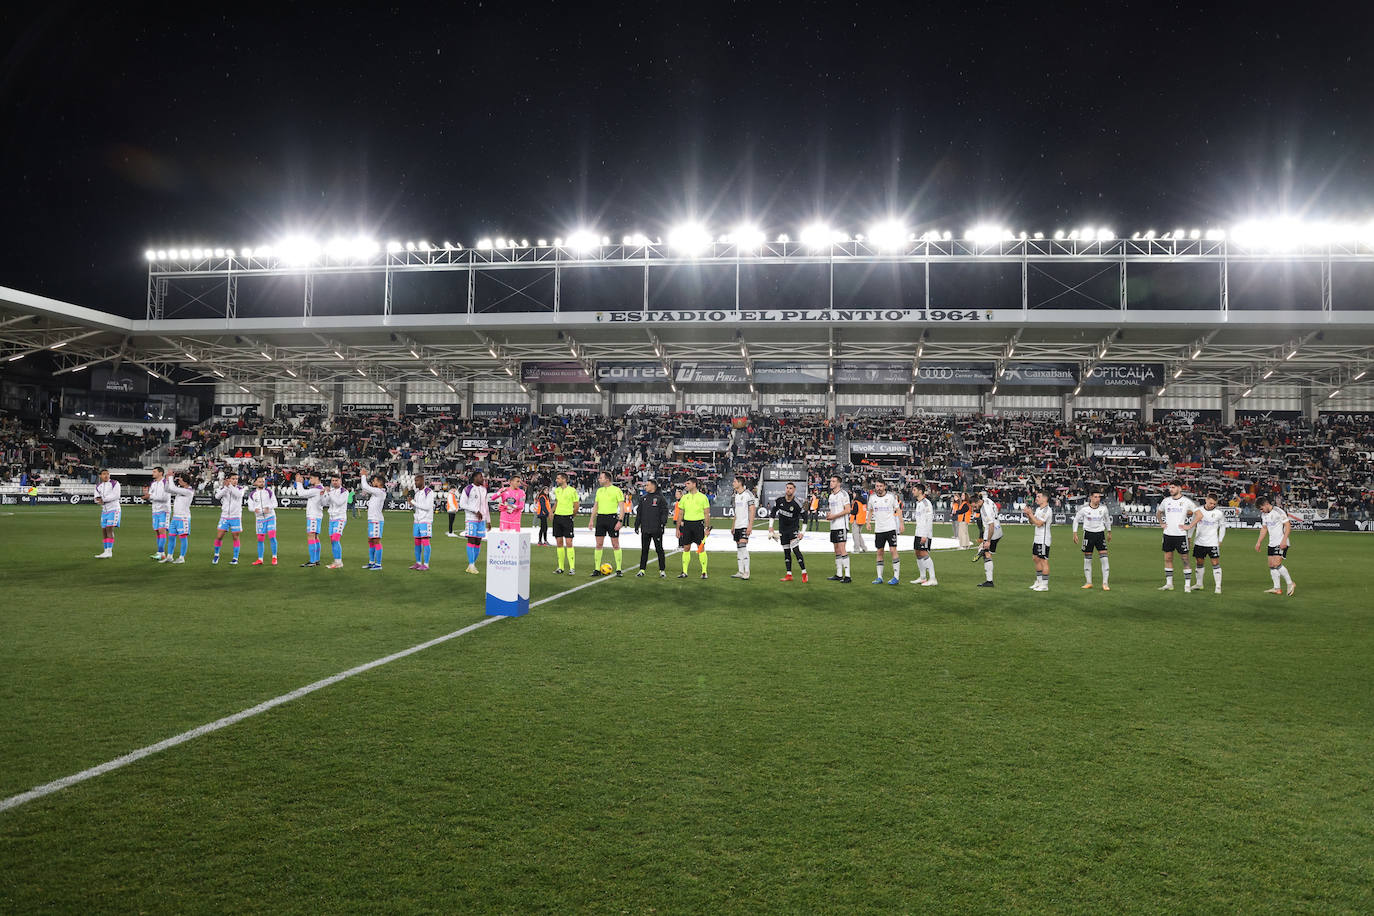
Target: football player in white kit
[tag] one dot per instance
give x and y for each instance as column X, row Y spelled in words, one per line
column 476, row 516
column 1096, row 520
column 107, row 498
column 230, row 497
column 314, row 519
column 885, row 519
column 923, row 526
column 423, row 501
column 837, row 513
column 1174, row 513
column 746, row 510
column 335, row 499
column 180, row 527
column 262, row 502
column 1042, row 517
column 1275, row 523
column 376, row 518
column 1209, row 530
column 992, row 533
column 157, row 496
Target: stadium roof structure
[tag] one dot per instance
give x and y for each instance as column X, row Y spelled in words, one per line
column 1212, row 310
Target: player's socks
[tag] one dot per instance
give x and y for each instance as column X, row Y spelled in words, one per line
column 417, row 550
column 618, row 562
column 879, row 568
column 424, row 553
column 1274, row 574
column 235, row 555
column 562, row 555
column 336, row 550
column 217, row 546
column 687, row 561
column 272, row 542
column 987, row 569
column 596, row 558
column 801, row 562
column 787, row 559
column 1088, row 570
column 109, row 545
column 845, row 559
column 378, row 561
column 1169, row 577
column 262, row 544
column 1283, row 574
column 1105, row 569
column 1216, row 576
column 839, row 568
column 701, row 558
column 572, row 559
column 897, row 568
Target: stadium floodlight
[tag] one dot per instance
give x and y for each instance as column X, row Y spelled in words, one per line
column 1179, row 233
column 538, row 243
column 1059, row 235
column 1105, row 235
column 338, row 248
column 196, row 253
column 748, row 237
column 394, row 246
column 816, row 236
column 150, row 254
column 161, row 255
column 690, row 238
column 228, row 252
column 784, row 238
column 582, row 240
column 888, row 234
column 1195, row 233
column 986, row 234
column 524, row 243
column 1216, row 235
column 500, row 242
column 297, row 250
column 485, row 244
column 219, row 252
column 247, row 251
column 184, row 254
column 1149, row 234
column 425, row 246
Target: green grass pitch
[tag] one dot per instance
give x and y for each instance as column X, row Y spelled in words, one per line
column 683, row 746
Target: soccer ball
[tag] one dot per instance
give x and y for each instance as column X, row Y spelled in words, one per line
column 606, row 569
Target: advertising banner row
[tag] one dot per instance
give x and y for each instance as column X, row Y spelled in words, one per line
column 847, row 372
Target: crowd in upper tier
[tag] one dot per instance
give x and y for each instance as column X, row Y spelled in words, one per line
column 1326, row 467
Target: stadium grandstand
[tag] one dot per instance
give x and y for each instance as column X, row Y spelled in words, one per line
column 1009, row 360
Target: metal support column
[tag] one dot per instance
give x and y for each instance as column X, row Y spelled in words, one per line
column 388, row 293
column 737, row 288
column 1225, row 287
column 1326, row 286
column 231, row 297
column 472, row 290
column 309, row 294
column 1025, row 286
column 557, row 288
column 644, row 304
column 1124, row 303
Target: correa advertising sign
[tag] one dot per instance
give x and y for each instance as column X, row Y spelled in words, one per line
column 631, row 372
column 1040, row 374
column 893, row 372
column 555, row 373
column 945, row 373
column 1124, row 375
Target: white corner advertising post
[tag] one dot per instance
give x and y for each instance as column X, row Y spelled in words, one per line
column 508, row 574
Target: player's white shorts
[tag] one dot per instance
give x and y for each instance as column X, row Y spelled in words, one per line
column 423, row 530
column 109, row 519
column 374, row 529
column 160, row 520
column 267, row 525
column 477, row 529
column 179, row 526
column 230, row 524
column 312, row 525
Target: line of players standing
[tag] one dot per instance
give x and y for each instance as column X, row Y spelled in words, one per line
column 1179, row 518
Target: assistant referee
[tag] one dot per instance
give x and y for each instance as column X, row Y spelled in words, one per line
column 693, row 526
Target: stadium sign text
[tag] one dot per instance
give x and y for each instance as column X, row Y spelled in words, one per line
column 780, row 315
column 1125, row 375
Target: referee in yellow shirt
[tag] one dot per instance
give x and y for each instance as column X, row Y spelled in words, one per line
column 564, row 514
column 610, row 515
column 693, row 526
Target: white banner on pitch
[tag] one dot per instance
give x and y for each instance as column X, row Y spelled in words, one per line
column 508, row 574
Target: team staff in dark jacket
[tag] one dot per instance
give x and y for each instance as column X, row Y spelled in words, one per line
column 654, row 512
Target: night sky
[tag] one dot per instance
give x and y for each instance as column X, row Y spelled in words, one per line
column 222, row 124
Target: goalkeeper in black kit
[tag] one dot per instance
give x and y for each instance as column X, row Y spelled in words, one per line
column 788, row 514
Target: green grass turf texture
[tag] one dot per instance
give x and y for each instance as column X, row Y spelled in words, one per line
column 683, row 746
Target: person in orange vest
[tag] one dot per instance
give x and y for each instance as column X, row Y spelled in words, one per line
column 543, row 509
column 451, row 504
column 962, row 513
column 859, row 512
column 814, row 509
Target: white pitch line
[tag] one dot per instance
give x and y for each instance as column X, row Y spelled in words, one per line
column 14, row 801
